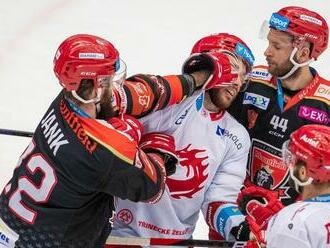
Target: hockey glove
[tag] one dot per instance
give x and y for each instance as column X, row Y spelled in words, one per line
column 217, row 63
column 163, row 144
column 259, row 203
column 241, row 232
column 127, row 125
column 258, row 238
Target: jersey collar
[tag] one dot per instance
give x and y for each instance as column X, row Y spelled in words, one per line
column 320, row 198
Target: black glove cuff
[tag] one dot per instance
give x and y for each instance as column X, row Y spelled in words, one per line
column 241, row 232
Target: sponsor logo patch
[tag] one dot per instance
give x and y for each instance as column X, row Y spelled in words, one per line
column 323, row 91
column 91, row 55
column 261, row 75
column 225, row 133
column 256, row 100
column 125, row 216
column 311, row 19
column 310, row 141
column 313, row 114
column 182, row 117
column 279, row 22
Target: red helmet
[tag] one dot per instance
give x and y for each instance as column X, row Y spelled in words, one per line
column 84, row 56
column 301, row 22
column 225, row 41
column 311, row 144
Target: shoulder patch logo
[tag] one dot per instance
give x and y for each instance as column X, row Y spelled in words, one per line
column 314, row 115
column 323, row 91
column 256, row 100
column 261, row 74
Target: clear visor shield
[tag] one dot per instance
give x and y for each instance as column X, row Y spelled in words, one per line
column 116, row 79
column 289, row 159
column 120, row 74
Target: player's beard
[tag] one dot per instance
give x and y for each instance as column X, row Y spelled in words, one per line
column 282, row 69
column 221, row 98
column 106, row 110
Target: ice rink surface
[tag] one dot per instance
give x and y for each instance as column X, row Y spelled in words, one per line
column 152, row 37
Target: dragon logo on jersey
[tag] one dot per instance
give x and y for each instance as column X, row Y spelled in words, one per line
column 191, row 173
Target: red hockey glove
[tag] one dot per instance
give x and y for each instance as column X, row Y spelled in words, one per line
column 217, row 63
column 128, row 125
column 259, row 203
column 259, row 238
column 163, row 144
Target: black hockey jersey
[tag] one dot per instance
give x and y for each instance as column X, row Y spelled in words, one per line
column 61, row 192
column 258, row 109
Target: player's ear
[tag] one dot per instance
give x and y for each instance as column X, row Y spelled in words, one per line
column 303, row 54
column 302, row 173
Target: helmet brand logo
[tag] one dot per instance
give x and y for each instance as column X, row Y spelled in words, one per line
column 311, row 36
column 91, row 55
column 311, row 19
column 309, row 140
column 87, row 73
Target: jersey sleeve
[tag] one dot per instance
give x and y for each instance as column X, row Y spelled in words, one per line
column 219, row 207
column 142, row 94
column 126, row 171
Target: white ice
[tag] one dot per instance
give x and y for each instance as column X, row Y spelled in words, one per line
column 152, row 36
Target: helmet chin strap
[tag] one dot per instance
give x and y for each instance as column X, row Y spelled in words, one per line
column 93, row 100
column 297, row 182
column 295, row 64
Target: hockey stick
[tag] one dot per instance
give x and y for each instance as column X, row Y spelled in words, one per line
column 16, row 132
column 135, row 241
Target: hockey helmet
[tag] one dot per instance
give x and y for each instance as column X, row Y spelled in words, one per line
column 85, row 56
column 228, row 42
column 310, row 144
column 303, row 24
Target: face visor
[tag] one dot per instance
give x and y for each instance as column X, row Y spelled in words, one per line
column 115, row 79
column 290, row 160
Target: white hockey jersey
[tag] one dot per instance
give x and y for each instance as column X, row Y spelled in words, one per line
column 301, row 225
column 212, row 150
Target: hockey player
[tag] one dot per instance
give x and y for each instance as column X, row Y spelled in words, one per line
column 212, row 148
column 61, row 191
column 305, row 224
column 283, row 97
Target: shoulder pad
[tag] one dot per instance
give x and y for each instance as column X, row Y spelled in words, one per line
column 260, row 74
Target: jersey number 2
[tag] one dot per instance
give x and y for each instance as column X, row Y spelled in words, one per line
column 38, row 193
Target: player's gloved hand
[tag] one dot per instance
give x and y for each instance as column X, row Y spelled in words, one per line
column 216, row 62
column 128, row 125
column 242, row 231
column 259, row 203
column 258, row 237
column 163, row 144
